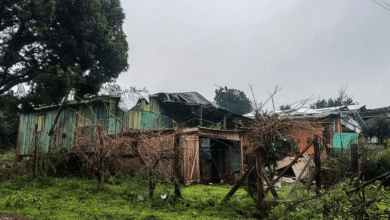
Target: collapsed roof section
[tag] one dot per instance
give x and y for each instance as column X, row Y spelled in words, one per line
column 349, row 115
column 189, row 98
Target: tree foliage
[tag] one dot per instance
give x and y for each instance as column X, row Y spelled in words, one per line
column 233, row 100
column 280, row 149
column 380, row 128
column 332, row 102
column 113, row 89
column 56, row 45
column 285, row 107
column 9, row 121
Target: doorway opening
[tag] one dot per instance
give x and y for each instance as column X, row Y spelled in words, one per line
column 219, row 160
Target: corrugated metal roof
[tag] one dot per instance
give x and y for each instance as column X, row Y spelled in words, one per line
column 375, row 111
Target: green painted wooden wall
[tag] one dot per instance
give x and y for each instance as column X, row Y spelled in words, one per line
column 144, row 116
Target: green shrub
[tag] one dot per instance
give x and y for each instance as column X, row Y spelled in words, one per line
column 374, row 164
column 21, row 200
column 8, row 155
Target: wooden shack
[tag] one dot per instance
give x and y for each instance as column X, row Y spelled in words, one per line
column 190, row 112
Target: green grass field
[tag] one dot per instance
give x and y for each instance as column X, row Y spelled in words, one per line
column 79, row 199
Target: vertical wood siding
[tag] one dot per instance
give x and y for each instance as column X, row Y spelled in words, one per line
column 145, row 116
column 189, row 145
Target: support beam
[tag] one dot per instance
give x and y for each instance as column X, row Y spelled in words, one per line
column 270, row 186
column 36, row 152
column 317, row 161
column 177, row 157
column 241, row 156
column 310, row 179
column 354, row 158
column 310, row 142
column 301, row 174
column 237, row 186
column 224, row 122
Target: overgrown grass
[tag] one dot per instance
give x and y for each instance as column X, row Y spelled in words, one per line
column 55, row 198
column 8, row 155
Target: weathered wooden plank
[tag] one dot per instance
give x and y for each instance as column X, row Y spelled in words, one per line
column 145, row 105
column 301, row 174
column 31, row 139
column 310, row 142
column 139, row 119
column 120, row 121
column 49, row 120
column 111, row 118
column 189, row 146
column 310, row 178
column 69, row 128
column 19, row 143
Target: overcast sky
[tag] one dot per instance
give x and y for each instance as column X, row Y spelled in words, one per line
column 308, row 47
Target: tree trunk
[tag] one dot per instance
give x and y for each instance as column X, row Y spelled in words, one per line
column 261, row 204
column 152, row 185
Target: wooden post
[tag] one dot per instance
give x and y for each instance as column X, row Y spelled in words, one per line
column 354, row 158
column 177, row 165
column 36, row 153
column 317, row 161
column 291, row 163
column 237, row 185
column 270, row 186
column 201, row 108
column 241, row 156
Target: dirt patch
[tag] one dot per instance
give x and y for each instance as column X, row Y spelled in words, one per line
column 4, row 216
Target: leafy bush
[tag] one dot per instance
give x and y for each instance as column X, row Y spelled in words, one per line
column 8, row 155
column 20, row 200
column 143, row 175
column 374, row 164
column 334, row 204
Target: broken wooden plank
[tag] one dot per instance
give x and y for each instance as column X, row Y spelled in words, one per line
column 300, row 175
column 310, row 179
column 292, row 162
column 237, row 186
column 270, row 186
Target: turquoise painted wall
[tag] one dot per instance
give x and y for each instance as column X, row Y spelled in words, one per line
column 346, row 138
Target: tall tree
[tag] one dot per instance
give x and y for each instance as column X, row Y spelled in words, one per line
column 233, row 100
column 57, row 45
